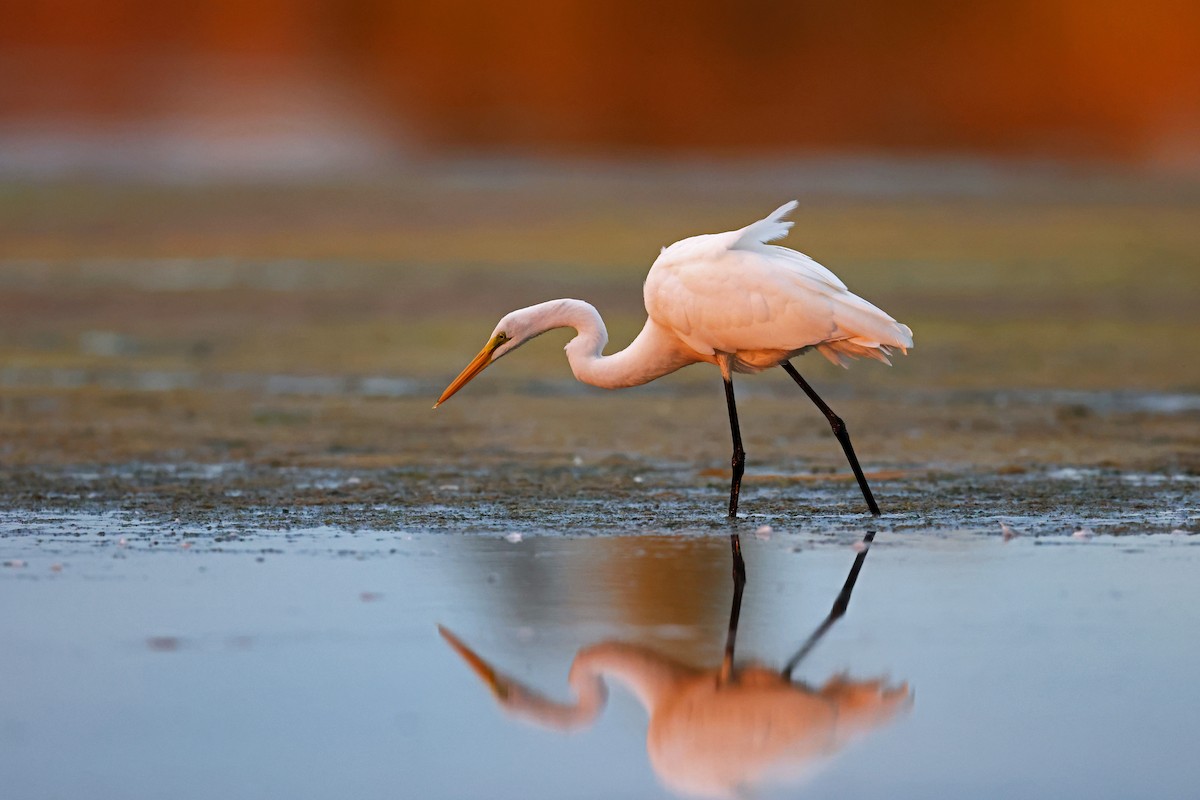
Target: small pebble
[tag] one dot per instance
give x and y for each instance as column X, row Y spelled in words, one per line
column 163, row 644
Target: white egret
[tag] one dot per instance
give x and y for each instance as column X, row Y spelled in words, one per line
column 730, row 299
column 721, row 731
column 706, row 738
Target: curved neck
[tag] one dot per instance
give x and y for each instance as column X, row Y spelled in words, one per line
column 591, row 695
column 651, row 676
column 654, row 352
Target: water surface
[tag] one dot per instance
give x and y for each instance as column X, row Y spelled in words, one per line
column 161, row 661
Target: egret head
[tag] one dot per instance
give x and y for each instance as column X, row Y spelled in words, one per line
column 514, row 330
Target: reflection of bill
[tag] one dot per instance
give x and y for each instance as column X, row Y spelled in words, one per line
column 714, row 732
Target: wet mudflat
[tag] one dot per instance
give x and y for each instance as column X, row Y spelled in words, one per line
column 151, row 661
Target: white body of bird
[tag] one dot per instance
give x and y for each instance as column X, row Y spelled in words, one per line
column 707, row 738
column 730, row 299
column 736, row 294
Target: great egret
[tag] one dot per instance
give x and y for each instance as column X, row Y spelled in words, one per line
column 730, row 299
column 721, row 731
column 705, row 738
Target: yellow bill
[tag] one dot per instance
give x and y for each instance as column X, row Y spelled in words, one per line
column 477, row 365
column 480, row 667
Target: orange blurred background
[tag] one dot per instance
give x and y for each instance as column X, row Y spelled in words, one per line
column 355, row 83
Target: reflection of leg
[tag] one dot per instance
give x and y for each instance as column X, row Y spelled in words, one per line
column 839, row 430
column 739, row 583
column 840, row 604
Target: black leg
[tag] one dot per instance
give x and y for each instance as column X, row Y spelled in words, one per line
column 839, row 430
column 739, row 583
column 839, row 608
column 739, row 455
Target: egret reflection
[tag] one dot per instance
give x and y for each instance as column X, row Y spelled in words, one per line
column 719, row 731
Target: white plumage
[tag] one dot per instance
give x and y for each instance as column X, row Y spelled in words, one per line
column 730, row 299
column 735, row 293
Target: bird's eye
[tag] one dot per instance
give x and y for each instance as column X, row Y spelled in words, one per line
column 501, row 337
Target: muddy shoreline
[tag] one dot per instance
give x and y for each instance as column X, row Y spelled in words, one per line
column 614, row 498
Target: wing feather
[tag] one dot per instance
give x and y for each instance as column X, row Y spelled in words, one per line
column 734, row 293
column 768, row 229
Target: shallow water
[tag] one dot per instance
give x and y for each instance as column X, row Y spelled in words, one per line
column 166, row 660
